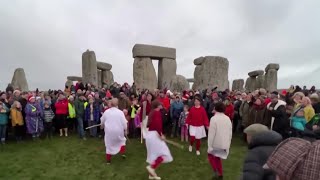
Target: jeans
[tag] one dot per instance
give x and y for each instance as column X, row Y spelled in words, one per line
column 3, row 130
column 175, row 129
column 80, row 127
column 93, row 131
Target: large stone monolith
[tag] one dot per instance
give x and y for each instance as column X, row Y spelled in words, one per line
column 89, row 68
column 99, row 73
column 271, row 80
column 144, row 74
column 179, row 83
column 166, row 70
column 107, row 78
column 19, row 80
column 213, row 72
column 238, row 84
column 251, row 84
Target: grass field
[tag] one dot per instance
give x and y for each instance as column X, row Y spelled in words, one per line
column 72, row 158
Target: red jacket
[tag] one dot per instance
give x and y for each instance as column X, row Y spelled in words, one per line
column 165, row 102
column 62, row 107
column 197, row 117
column 229, row 111
column 155, row 122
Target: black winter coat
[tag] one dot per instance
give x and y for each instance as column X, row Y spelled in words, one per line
column 260, row 148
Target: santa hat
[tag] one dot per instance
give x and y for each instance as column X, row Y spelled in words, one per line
column 31, row 97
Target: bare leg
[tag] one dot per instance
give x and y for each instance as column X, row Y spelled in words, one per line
column 66, row 132
column 61, row 133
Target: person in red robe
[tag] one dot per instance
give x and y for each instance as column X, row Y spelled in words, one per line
column 198, row 121
column 157, row 150
column 229, row 111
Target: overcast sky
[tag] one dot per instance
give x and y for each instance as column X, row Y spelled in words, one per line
column 47, row 38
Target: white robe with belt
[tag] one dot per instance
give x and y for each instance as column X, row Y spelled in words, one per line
column 115, row 125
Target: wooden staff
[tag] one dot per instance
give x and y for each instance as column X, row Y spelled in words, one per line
column 180, row 146
column 93, row 126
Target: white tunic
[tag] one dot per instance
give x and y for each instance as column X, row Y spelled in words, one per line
column 198, row 132
column 156, row 148
column 220, row 135
column 115, row 124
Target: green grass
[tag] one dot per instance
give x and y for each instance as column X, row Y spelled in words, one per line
column 72, row 158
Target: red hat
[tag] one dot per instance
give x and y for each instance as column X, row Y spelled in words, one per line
column 284, row 92
column 31, row 97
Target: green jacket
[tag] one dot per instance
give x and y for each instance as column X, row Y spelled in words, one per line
column 79, row 107
column 4, row 115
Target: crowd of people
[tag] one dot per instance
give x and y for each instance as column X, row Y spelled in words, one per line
column 264, row 118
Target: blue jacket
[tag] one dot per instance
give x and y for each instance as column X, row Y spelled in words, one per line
column 175, row 109
column 4, row 115
column 96, row 113
column 298, row 123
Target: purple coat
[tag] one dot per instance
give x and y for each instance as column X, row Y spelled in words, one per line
column 34, row 121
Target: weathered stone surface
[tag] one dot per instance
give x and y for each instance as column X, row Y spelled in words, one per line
column 272, row 66
column 166, row 70
column 89, row 68
column 144, row 74
column 197, row 77
column 99, row 73
column 19, row 80
column 237, row 84
column 212, row 72
column 69, row 83
column 179, row 83
column 251, row 84
column 107, row 78
column 198, row 61
column 74, row 78
column 260, row 82
column 271, row 80
column 256, row 73
column 154, row 52
column 190, row 80
column 104, row 66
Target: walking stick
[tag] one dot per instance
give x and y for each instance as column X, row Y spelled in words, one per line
column 93, row 126
column 180, row 146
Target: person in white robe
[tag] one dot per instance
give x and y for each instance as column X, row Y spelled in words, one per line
column 114, row 124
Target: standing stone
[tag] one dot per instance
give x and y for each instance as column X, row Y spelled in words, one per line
column 272, row 66
column 237, row 84
column 166, row 70
column 271, row 80
column 89, row 68
column 197, row 77
column 69, row 83
column 144, row 74
column 179, row 83
column 99, row 73
column 260, row 82
column 213, row 72
column 251, row 84
column 19, row 80
column 107, row 78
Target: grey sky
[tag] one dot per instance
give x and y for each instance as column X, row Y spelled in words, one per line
column 47, row 38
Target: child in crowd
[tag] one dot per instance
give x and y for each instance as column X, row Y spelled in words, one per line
column 182, row 123
column 17, row 120
column 127, row 116
column 137, row 122
column 3, row 122
column 298, row 121
column 48, row 116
